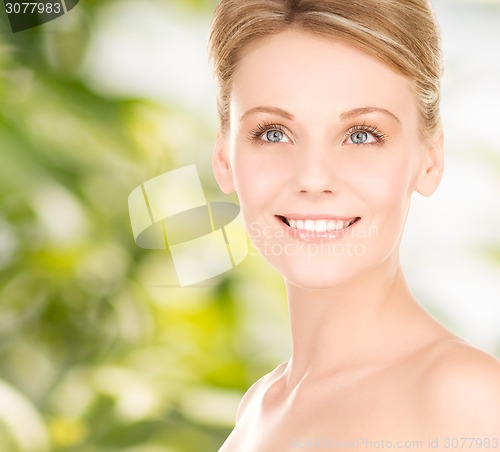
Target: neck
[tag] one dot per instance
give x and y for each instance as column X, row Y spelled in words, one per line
column 362, row 321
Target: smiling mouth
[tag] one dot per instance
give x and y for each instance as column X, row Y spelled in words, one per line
column 319, row 225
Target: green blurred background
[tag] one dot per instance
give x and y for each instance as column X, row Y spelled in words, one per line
column 95, row 355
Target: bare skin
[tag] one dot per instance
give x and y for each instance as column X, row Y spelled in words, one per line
column 368, row 363
column 399, row 393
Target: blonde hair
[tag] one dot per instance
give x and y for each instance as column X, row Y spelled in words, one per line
column 401, row 33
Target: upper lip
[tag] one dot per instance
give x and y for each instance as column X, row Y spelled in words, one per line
column 321, row 216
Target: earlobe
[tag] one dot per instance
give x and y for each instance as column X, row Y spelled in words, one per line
column 432, row 167
column 221, row 165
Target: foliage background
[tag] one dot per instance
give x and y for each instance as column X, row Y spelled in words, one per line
column 95, row 355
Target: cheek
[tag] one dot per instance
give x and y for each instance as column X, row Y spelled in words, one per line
column 386, row 190
column 259, row 180
column 377, row 182
column 258, row 177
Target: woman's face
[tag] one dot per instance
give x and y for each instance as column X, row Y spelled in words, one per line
column 324, row 152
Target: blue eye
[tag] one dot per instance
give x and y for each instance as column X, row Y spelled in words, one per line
column 359, row 137
column 267, row 133
column 365, row 135
column 274, row 136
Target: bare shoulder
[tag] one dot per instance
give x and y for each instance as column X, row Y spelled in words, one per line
column 256, row 389
column 460, row 391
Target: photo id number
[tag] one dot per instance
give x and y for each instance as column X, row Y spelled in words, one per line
column 470, row 443
column 32, row 8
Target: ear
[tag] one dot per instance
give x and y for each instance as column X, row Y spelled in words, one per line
column 431, row 172
column 221, row 165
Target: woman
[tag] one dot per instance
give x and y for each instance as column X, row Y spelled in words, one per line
column 329, row 121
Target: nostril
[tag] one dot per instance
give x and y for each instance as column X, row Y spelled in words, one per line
column 328, row 192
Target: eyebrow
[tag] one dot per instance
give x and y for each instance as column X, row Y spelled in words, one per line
column 272, row 110
column 367, row 110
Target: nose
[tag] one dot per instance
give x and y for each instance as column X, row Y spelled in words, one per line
column 315, row 173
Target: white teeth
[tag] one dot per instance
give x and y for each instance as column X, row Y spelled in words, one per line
column 319, row 225
column 309, row 225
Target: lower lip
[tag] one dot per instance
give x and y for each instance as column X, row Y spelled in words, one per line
column 317, row 237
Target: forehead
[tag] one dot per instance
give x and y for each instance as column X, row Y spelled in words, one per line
column 316, row 76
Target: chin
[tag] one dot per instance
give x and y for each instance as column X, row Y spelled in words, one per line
column 318, row 280
column 316, row 273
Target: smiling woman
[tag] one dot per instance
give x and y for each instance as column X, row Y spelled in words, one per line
column 329, row 122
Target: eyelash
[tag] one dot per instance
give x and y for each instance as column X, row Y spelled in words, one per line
column 255, row 135
column 380, row 138
column 263, row 127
